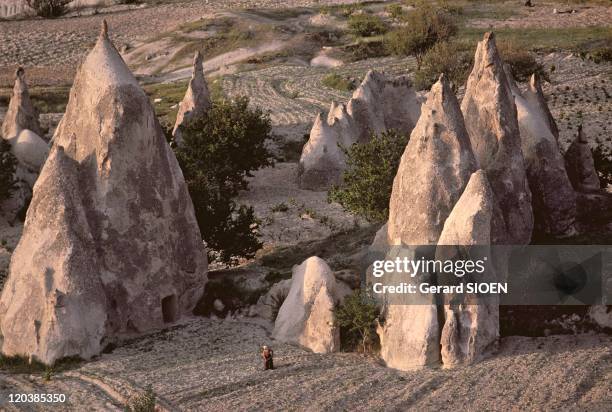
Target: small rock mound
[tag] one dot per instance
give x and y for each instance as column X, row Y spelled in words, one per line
column 196, row 101
column 306, row 316
column 580, row 165
column 21, row 113
column 110, row 245
column 491, row 120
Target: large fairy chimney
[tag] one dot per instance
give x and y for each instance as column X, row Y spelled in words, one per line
column 110, row 244
column 196, row 101
column 491, row 121
column 434, row 170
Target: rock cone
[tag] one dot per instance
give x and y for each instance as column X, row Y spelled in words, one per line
column 110, row 244
column 377, row 105
column 322, row 160
column 580, row 166
column 306, row 316
column 434, row 170
column 435, row 167
column 553, row 198
column 196, row 101
column 381, row 103
column 471, row 323
column 491, row 120
column 21, row 113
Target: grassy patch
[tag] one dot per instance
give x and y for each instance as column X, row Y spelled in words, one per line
column 170, row 95
column 543, row 39
column 20, row 364
column 45, row 99
column 338, row 82
column 280, row 14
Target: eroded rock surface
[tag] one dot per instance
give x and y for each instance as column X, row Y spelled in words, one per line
column 434, row 170
column 471, row 323
column 21, row 113
column 196, row 101
column 378, row 104
column 110, row 246
column 306, row 316
column 491, row 121
column 553, row 198
column 580, row 166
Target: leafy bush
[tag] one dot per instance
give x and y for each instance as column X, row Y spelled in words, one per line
column 356, row 317
column 396, row 11
column 338, row 82
column 8, row 163
column 48, row 8
column 143, row 402
column 603, row 166
column 362, row 50
column 601, row 55
column 368, row 178
column 217, row 155
column 447, row 58
column 521, row 62
column 366, row 25
column 424, row 28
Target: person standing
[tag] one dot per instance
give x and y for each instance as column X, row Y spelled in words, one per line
column 266, row 354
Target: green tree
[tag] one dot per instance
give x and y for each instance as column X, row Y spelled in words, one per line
column 356, row 317
column 424, row 28
column 8, row 164
column 218, row 153
column 368, row 178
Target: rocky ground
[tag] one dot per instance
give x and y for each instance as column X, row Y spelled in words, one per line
column 213, row 365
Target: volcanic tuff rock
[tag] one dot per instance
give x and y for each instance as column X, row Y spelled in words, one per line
column 380, row 103
column 110, row 244
column 434, row 170
column 306, row 316
column 322, row 160
column 196, row 101
column 21, row 113
column 377, row 104
column 435, row 167
column 471, row 325
column 580, row 166
column 553, row 198
column 20, row 128
column 491, row 121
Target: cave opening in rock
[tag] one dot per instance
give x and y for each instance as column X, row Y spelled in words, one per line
column 169, row 308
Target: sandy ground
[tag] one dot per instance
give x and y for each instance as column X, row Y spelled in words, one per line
column 213, row 365
column 542, row 15
column 50, row 49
